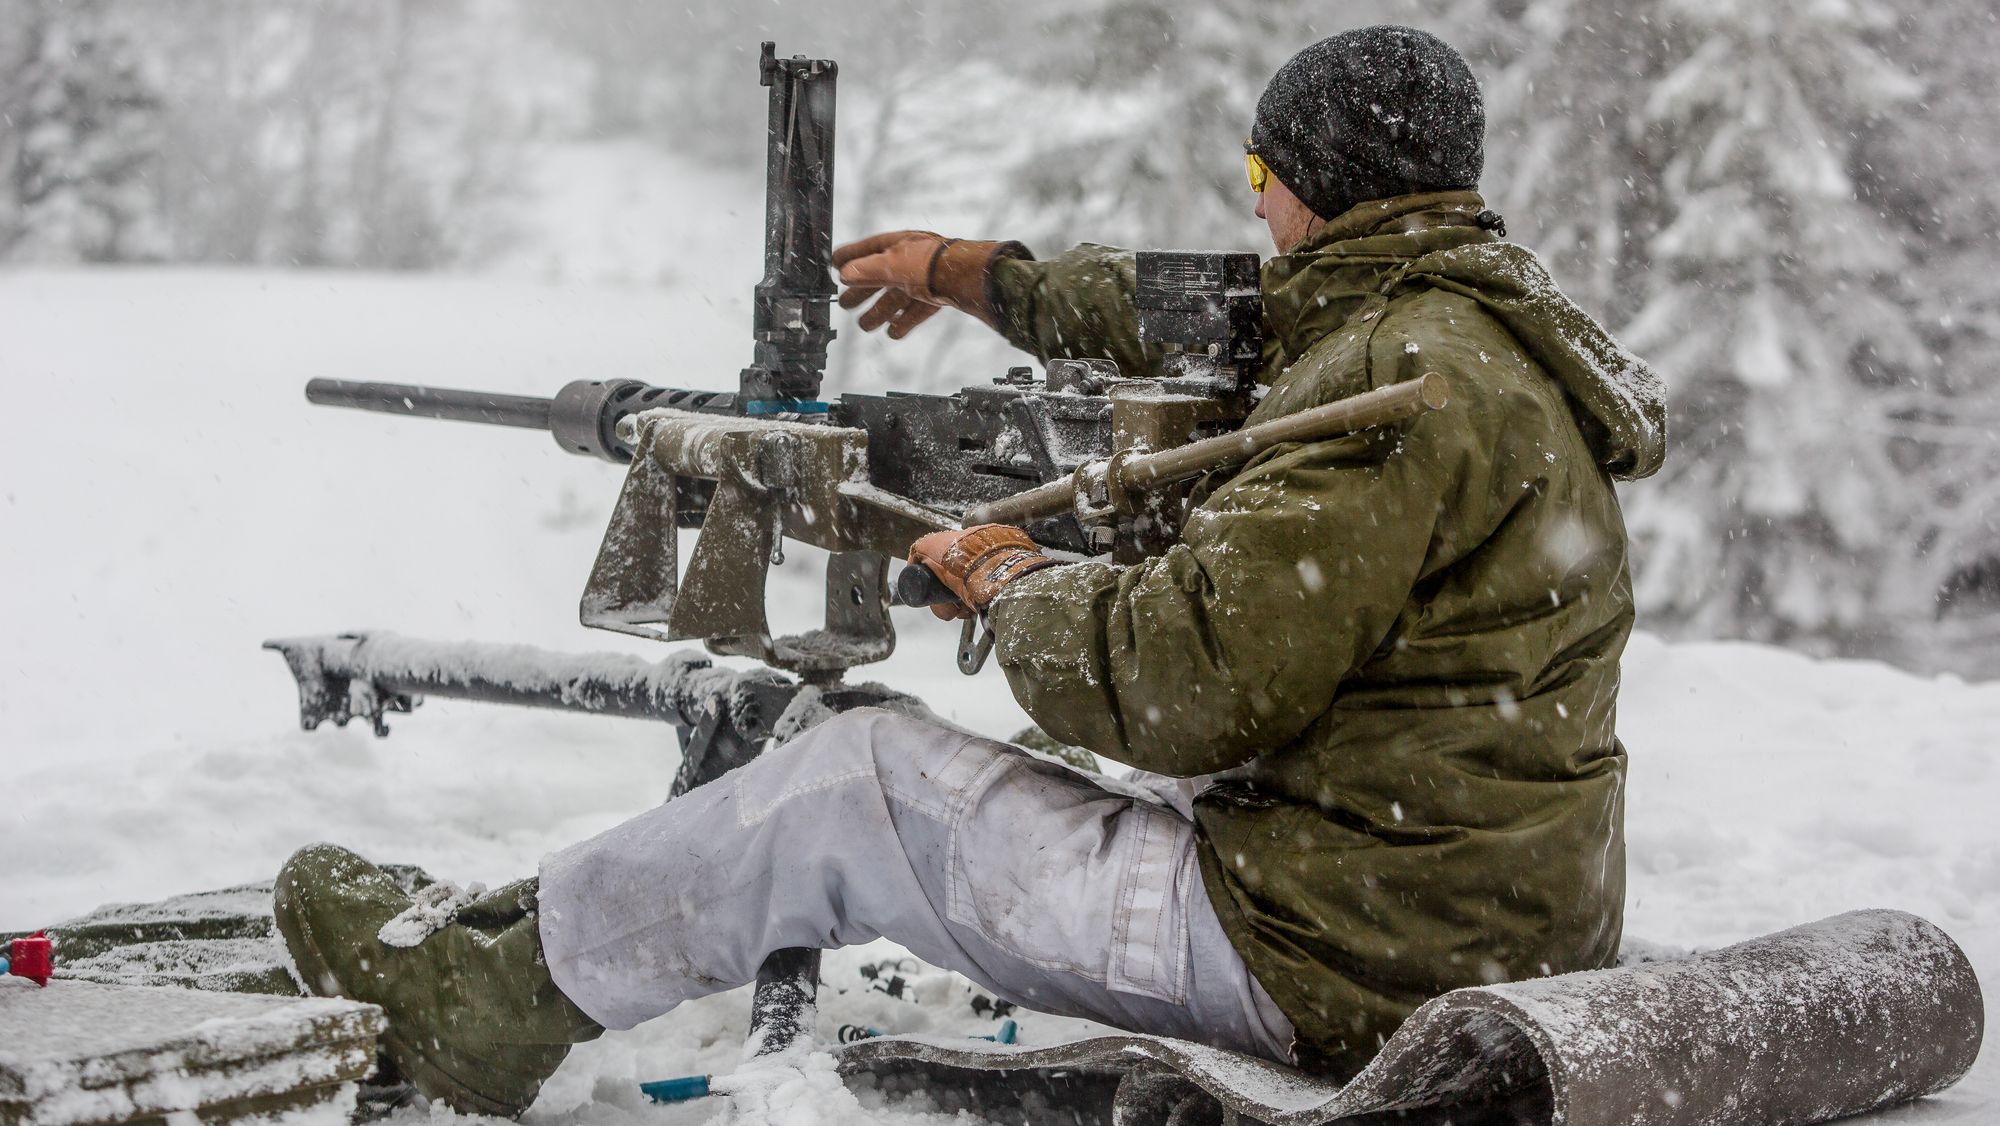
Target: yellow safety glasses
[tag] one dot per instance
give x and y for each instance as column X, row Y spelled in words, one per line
column 1260, row 172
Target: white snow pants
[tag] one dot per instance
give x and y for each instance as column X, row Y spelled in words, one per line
column 1043, row 887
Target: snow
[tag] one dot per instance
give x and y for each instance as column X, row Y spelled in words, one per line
column 78, row 1052
column 431, row 909
column 170, row 501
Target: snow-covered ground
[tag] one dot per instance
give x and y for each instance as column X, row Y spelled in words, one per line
column 168, row 500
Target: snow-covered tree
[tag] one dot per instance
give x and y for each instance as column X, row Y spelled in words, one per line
column 1945, row 421
column 1571, row 158
column 307, row 132
column 1775, row 299
column 1156, row 100
column 1697, row 168
column 80, row 135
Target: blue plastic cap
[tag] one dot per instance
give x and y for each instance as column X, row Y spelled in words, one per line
column 676, row 1090
column 1005, row 1034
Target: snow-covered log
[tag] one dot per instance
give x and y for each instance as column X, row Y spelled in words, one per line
column 1839, row 1017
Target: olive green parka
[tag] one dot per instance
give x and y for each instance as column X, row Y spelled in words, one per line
column 1399, row 648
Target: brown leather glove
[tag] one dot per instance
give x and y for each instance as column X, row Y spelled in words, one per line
column 976, row 563
column 917, row 273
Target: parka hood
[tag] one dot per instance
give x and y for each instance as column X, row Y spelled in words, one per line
column 1619, row 401
column 1385, row 246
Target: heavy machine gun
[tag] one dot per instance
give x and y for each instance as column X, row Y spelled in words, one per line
column 1091, row 460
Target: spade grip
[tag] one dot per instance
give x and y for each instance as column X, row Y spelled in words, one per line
column 917, row 586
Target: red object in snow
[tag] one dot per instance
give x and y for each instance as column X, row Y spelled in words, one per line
column 32, row 957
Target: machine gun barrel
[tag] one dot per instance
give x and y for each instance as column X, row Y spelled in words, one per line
column 530, row 412
column 582, row 417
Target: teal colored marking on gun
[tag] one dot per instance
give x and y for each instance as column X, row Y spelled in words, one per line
column 784, row 406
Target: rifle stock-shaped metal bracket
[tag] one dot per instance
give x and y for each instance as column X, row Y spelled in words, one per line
column 772, row 478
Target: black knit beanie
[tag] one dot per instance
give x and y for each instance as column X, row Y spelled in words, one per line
column 1369, row 114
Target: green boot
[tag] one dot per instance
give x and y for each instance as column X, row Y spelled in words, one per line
column 474, row 1018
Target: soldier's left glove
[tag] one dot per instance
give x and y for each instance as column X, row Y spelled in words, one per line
column 918, row 273
column 977, row 563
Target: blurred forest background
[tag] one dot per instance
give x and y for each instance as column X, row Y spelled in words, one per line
column 1789, row 205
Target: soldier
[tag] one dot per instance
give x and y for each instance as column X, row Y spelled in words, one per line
column 1370, row 693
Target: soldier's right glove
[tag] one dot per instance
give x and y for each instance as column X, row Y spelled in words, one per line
column 976, row 563
column 917, row 273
